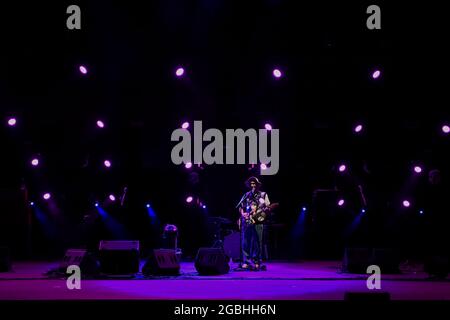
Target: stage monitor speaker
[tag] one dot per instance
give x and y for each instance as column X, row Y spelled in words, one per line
column 5, row 260
column 437, row 266
column 212, row 261
column 88, row 264
column 356, row 260
column 162, row 262
column 386, row 259
column 119, row 257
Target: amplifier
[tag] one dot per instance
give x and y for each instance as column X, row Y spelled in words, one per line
column 119, row 257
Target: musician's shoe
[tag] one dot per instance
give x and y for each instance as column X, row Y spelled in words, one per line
column 260, row 267
column 245, row 266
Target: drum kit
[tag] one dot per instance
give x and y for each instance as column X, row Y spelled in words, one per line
column 226, row 234
column 219, row 228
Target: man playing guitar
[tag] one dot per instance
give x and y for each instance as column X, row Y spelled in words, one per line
column 253, row 209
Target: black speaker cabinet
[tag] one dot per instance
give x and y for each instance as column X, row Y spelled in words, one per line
column 387, row 259
column 356, row 260
column 212, row 261
column 119, row 257
column 162, row 262
column 88, row 264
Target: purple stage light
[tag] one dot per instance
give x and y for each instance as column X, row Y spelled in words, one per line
column 46, row 196
column 96, row 204
column 189, row 199
column 376, row 74
column 358, row 128
column 417, row 169
column 100, row 124
column 263, row 166
column 32, row 204
column 342, row 168
column 204, row 206
column 188, row 165
column 83, row 69
column 406, row 203
column 147, row 205
column 341, row 202
column 12, row 122
column 35, row 162
column 107, row 163
column 179, row 72
column 277, row 73
column 446, row 129
column 112, row 197
column 268, row 126
column 185, row 125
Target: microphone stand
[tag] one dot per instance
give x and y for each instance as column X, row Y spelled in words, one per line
column 241, row 253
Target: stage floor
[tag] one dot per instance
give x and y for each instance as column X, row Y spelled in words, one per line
column 310, row 280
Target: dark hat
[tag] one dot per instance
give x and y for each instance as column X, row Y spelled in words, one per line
column 252, row 179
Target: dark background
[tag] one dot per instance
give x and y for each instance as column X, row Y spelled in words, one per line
column 228, row 49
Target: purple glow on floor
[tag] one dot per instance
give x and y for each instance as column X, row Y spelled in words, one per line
column 312, row 280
